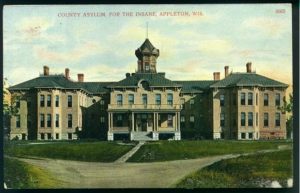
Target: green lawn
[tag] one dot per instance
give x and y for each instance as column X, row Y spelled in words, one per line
column 19, row 175
column 250, row 171
column 177, row 150
column 82, row 151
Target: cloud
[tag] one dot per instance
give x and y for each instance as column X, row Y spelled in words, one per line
column 215, row 47
column 73, row 55
column 269, row 26
column 135, row 31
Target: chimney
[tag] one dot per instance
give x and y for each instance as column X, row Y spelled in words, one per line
column 46, row 71
column 80, row 77
column 127, row 75
column 248, row 66
column 216, row 75
column 226, row 71
column 67, row 73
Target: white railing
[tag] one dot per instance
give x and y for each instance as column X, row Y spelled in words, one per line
column 145, row 106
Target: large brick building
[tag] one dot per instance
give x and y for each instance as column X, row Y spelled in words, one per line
column 145, row 105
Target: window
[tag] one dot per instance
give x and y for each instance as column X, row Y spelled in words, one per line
column 256, row 119
column 192, row 103
column 157, row 99
column 243, row 135
column 266, row 99
column 119, row 117
column 170, row 99
column 69, row 101
column 56, row 101
column 250, row 98
column 147, row 66
column 70, row 120
column 222, row 100
column 182, row 102
column 182, row 118
column 49, row 136
column 18, row 102
column 69, row 135
column 277, row 99
column 18, row 121
column 48, row 100
column 222, row 119
column 57, row 135
column 48, row 120
column 131, row 99
column 102, row 119
column 119, row 99
column 42, row 100
column 23, row 136
column 170, row 120
column 102, row 102
column 192, row 118
column 243, row 98
column 243, row 118
column 57, row 120
column 250, row 119
column 256, row 99
column 119, row 120
column 42, row 120
column 250, row 135
column 277, row 119
column 266, row 119
column 42, row 136
column 144, row 98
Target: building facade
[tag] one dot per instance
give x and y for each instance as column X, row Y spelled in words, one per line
column 145, row 105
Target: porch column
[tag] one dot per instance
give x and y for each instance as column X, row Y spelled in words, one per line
column 108, row 121
column 157, row 116
column 178, row 122
column 112, row 121
column 175, row 121
column 132, row 119
column 110, row 134
column 154, row 119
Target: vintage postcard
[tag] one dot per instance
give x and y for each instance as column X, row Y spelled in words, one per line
column 148, row 96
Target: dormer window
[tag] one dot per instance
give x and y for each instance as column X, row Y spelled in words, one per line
column 144, row 84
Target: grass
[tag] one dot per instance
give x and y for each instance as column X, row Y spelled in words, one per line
column 252, row 171
column 178, row 150
column 20, row 175
column 80, row 151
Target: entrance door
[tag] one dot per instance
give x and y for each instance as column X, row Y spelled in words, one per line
column 144, row 122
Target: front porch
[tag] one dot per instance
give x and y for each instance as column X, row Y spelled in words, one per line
column 143, row 125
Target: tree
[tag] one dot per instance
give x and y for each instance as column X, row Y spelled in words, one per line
column 288, row 107
column 9, row 107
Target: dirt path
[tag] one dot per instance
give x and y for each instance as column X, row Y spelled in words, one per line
column 125, row 157
column 78, row 174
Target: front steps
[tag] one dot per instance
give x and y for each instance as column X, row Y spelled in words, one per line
column 141, row 136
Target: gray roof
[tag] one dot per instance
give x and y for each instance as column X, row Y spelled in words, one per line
column 154, row 80
column 61, row 82
column 195, row 86
column 247, row 79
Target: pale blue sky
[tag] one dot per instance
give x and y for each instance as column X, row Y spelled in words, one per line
column 191, row 48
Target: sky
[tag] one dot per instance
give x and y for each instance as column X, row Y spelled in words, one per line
column 199, row 40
